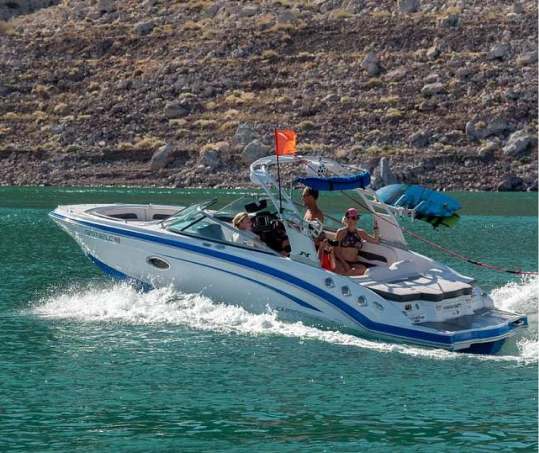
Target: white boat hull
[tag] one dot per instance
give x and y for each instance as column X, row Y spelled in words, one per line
column 152, row 257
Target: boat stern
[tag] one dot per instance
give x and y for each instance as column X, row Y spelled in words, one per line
column 484, row 332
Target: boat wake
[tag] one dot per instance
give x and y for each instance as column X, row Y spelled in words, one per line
column 119, row 303
column 522, row 296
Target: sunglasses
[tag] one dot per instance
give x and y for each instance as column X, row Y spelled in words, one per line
column 352, row 217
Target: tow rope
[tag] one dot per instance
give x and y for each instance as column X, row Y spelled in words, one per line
column 468, row 260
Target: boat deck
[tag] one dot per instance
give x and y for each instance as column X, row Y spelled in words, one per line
column 483, row 318
column 422, row 287
column 404, row 282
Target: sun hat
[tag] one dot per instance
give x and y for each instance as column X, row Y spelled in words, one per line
column 351, row 213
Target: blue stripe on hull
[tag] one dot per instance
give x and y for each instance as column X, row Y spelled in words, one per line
column 258, row 282
column 492, row 347
column 146, row 286
column 403, row 333
column 120, row 276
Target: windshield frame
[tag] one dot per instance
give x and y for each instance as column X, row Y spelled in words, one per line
column 197, row 208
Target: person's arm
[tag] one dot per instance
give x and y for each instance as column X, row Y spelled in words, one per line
column 332, row 262
column 321, row 249
column 375, row 239
column 376, row 229
column 319, row 215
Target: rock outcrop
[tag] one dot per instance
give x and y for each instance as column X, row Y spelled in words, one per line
column 14, row 8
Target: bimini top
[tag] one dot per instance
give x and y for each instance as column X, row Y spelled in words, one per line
column 317, row 172
column 329, row 183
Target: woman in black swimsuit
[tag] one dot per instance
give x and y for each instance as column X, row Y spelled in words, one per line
column 351, row 240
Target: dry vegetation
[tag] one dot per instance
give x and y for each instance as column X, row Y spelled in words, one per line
column 188, row 73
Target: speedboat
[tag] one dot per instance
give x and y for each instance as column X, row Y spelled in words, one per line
column 403, row 296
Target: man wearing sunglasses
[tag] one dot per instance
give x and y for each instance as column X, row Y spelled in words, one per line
column 313, row 212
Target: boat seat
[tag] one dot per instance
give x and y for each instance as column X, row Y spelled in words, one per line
column 402, row 282
column 212, row 231
column 397, row 271
column 160, row 216
column 425, row 287
column 372, row 259
column 125, row 216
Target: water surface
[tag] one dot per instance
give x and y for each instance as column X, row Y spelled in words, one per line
column 90, row 365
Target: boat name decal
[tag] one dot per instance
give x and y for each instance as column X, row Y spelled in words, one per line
column 102, row 236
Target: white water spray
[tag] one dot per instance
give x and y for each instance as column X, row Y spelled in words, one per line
column 120, row 303
column 522, row 297
column 519, row 296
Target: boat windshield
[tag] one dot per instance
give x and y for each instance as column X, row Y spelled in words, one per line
column 197, row 221
column 187, row 217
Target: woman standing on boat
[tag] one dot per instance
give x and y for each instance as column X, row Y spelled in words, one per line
column 351, row 240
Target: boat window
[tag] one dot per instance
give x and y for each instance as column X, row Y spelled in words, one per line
column 206, row 228
column 197, row 223
column 157, row 262
column 248, row 203
column 194, row 221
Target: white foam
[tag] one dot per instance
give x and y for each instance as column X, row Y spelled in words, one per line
column 529, row 349
column 522, row 296
column 122, row 304
column 519, row 296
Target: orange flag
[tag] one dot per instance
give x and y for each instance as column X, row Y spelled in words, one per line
column 285, row 142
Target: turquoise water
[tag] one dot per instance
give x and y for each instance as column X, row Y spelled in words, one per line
column 88, row 365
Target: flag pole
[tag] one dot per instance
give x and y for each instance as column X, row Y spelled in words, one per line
column 285, row 144
column 278, row 172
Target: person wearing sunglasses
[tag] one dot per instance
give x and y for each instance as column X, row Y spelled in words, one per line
column 351, row 239
column 313, row 212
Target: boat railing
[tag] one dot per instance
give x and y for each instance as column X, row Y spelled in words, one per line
column 390, row 229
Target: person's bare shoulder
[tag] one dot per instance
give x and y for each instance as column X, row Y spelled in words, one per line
column 319, row 216
column 316, row 214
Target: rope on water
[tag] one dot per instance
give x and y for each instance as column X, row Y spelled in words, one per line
column 477, row 263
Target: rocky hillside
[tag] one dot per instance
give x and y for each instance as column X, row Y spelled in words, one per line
column 187, row 92
column 14, row 8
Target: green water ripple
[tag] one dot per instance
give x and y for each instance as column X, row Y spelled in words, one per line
column 121, row 379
